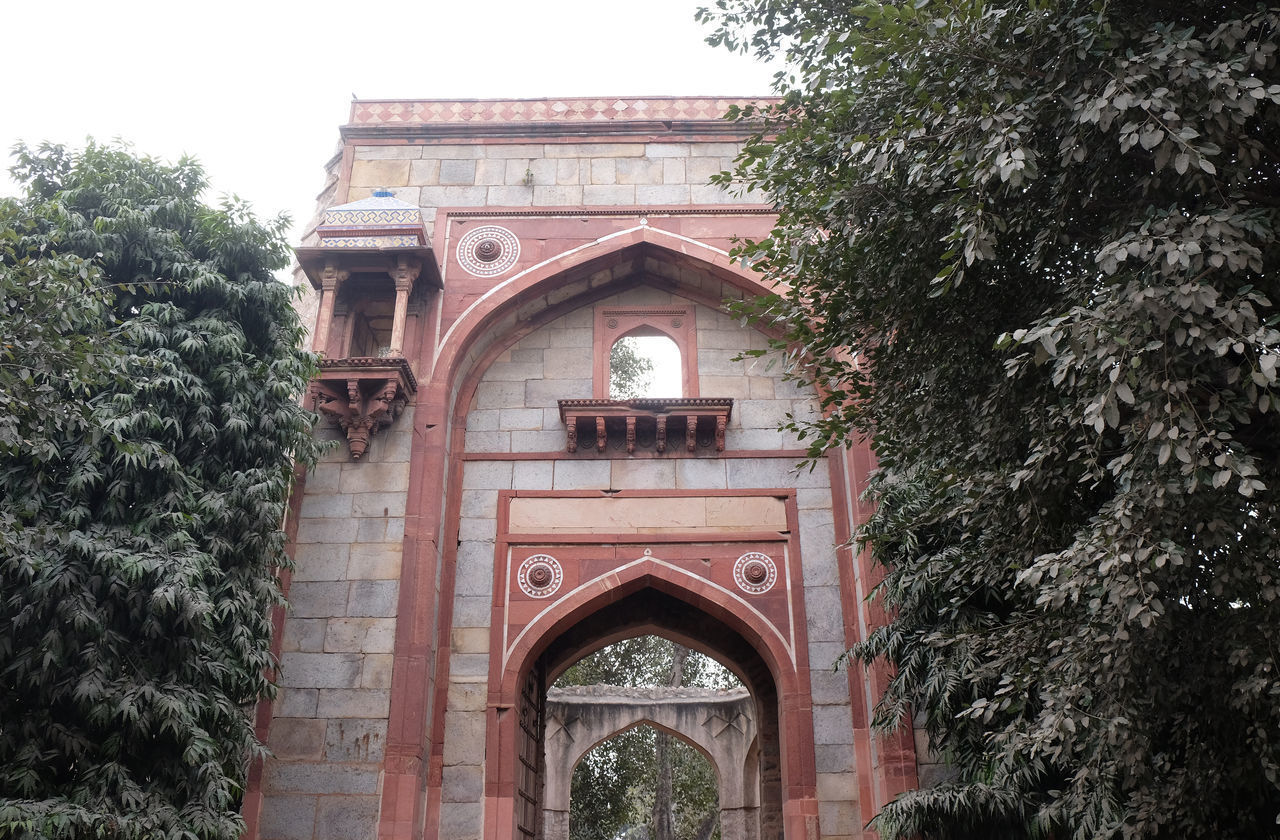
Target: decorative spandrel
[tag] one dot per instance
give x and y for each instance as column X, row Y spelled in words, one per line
column 689, row 423
column 363, row 396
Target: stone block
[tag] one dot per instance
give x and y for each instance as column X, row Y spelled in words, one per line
column 720, row 363
column 839, row 818
column 325, row 531
column 320, row 561
column 462, row 783
column 353, row 703
column 292, row 739
column 569, row 171
column 832, row 725
column 360, row 635
column 700, row 474
column 753, row 439
column 464, row 734
column 643, row 475
column 824, row 611
column 518, row 196
column 288, row 817
column 512, row 150
column 496, row 394
column 711, row 194
column 724, row 150
column 604, row 171
column 813, row 498
column 550, row 440
column 829, row 686
column 557, row 195
column 303, row 634
column 544, row 393
column 380, row 173
column 376, row 529
column 454, row 152
column 699, row 170
column 603, row 195
column 774, row 472
column 512, row 371
column 581, row 475
column 296, row 702
column 488, row 442
column 834, row 758
column 478, row 504
column 388, row 152
column 486, row 475
column 467, row 697
column 376, row 671
column 373, row 598
column 516, row 171
column 347, row 817
column 477, row 529
column 483, row 420
column 662, row 194
column 471, row 611
column 425, row 173
column 469, row 664
column 323, row 478
column 319, row 670
column 638, row 171
column 369, row 477
column 320, row 599
column 375, row 561
column 305, row 777
column 736, row 387
column 666, row 150
column 566, row 362
column 355, row 740
column 447, row 196
column 462, row 821
column 470, row 640
column 488, row 172
column 379, row 504
column 673, row 171
column 761, row 414
column 520, row 418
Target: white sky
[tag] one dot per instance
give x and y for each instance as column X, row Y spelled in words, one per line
column 257, row 90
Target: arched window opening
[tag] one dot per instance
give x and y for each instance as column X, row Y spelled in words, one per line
column 645, row 365
column 644, row 784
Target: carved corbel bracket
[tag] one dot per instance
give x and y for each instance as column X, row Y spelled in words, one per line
column 363, row 396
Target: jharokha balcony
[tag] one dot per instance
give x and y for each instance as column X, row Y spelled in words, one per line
column 689, row 423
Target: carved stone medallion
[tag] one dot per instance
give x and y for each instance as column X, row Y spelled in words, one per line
column 755, row 573
column 488, row 251
column 540, row 576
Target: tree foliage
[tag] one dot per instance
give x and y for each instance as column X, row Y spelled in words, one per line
column 630, row 371
column 617, row 789
column 149, row 418
column 1030, row 250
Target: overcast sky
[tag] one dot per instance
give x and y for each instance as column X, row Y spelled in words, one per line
column 257, row 90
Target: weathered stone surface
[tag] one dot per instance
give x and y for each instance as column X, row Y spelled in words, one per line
column 463, row 783
column 353, row 703
column 532, row 475
column 376, row 598
column 375, row 561
column 462, row 821
column 464, row 736
column 360, row 740
column 288, row 817
column 296, row 702
column 832, row 725
column 487, row 475
column 369, row 477
column 360, row 635
column 307, row 777
column 379, row 504
column 834, row 758
column 320, row 561
column 319, row 670
column 304, row 634
column 296, row 738
column 471, row 611
column 376, row 671
column 700, row 474
column 581, row 475
column 319, row 599
column 380, row 173
column 347, row 817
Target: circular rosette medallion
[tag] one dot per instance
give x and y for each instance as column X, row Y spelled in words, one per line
column 488, row 251
column 755, row 573
column 540, row 576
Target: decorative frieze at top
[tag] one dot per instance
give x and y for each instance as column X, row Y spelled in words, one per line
column 647, row 423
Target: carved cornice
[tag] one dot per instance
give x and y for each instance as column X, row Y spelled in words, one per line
column 645, row 422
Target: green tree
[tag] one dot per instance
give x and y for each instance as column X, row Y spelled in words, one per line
column 1030, row 250
column 149, row 421
column 643, row 777
column 630, row 371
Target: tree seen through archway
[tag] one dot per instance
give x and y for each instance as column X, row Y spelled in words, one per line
column 645, row 784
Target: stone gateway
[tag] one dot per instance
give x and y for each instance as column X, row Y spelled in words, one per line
column 489, row 514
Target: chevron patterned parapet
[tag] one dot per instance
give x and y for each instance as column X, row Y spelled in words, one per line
column 585, row 109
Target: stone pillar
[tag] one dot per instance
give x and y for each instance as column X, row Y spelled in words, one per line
column 330, row 279
column 555, row 825
column 404, row 273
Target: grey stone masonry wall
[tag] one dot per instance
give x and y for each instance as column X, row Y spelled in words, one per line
column 548, row 174
column 330, row 725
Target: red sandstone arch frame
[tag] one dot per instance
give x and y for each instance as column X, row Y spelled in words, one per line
column 420, row 672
